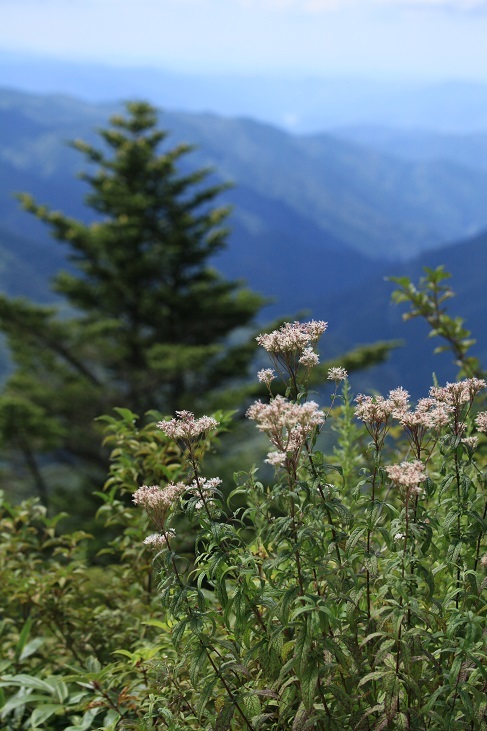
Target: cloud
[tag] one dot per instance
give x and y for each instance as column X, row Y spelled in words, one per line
column 319, row 6
column 458, row 5
column 312, row 6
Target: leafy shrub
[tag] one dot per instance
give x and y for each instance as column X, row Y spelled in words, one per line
column 348, row 593
column 325, row 602
column 76, row 637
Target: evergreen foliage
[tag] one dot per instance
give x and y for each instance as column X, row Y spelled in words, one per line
column 146, row 322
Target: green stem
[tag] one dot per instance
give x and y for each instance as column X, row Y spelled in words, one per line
column 479, row 541
column 369, row 533
column 296, row 551
column 207, row 650
column 328, row 513
column 403, row 574
column 459, row 525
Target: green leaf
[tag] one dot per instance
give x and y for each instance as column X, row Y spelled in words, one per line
column 224, row 718
column 197, row 666
column 126, row 414
column 31, row 647
column 205, row 696
column 302, row 647
column 252, row 705
column 29, row 681
column 24, row 634
column 309, row 682
column 376, row 675
column 87, row 721
column 42, row 713
column 21, row 699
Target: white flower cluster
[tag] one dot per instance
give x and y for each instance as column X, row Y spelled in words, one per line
column 309, row 358
column 158, row 541
column 429, row 414
column 287, row 424
column 461, row 392
column 408, row 475
column 185, row 427
column 292, row 337
column 373, row 409
column 204, row 489
column 157, row 501
column 481, row 421
column 266, row 375
column 337, row 374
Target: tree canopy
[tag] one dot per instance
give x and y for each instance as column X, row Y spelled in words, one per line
column 144, row 321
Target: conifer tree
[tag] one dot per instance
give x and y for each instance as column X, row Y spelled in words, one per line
column 144, row 321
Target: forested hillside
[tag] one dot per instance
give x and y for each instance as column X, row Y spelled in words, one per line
column 366, row 313
column 374, row 203
column 217, row 511
column 317, row 221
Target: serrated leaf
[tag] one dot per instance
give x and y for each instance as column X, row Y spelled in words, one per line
column 197, row 666
column 252, row 705
column 300, row 719
column 205, row 696
column 224, row 718
column 309, row 682
column 302, row 647
column 355, row 537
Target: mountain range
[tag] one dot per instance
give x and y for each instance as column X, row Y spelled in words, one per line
column 365, row 313
column 296, row 102
column 318, row 220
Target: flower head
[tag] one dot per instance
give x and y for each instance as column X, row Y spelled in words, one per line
column 471, row 442
column 276, row 459
column 266, row 375
column 296, row 336
column 185, row 427
column 309, row 358
column 157, row 501
column 399, row 400
column 158, row 541
column 337, row 374
column 286, row 423
column 408, row 475
column 423, row 424
column 373, row 410
column 481, row 421
column 204, row 485
column 461, row 392
column 433, row 414
column 204, row 490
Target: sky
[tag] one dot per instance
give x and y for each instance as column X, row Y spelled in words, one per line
column 410, row 38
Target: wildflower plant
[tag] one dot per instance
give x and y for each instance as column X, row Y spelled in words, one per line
column 350, row 593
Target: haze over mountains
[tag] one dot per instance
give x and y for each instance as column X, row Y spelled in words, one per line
column 318, row 220
column 295, row 102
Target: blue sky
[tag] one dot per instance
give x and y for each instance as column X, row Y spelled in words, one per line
column 411, row 38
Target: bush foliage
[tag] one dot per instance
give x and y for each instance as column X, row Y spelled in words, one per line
column 346, row 592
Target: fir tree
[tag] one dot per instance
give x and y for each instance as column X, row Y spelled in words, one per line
column 144, row 322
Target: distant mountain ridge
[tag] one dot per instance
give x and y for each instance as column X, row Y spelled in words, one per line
column 375, row 204
column 318, row 220
column 297, row 102
column 466, row 149
column 365, row 313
